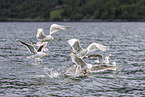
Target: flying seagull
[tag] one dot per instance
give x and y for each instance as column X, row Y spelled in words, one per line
column 46, row 38
column 81, row 52
column 84, row 67
column 37, row 54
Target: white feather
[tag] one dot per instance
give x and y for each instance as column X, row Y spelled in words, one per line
column 95, row 46
column 55, row 27
column 81, row 52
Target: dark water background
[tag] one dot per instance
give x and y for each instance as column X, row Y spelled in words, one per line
column 20, row 77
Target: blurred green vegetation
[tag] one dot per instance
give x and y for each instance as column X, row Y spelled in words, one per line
column 71, row 10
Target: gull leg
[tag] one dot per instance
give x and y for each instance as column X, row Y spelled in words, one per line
column 85, row 72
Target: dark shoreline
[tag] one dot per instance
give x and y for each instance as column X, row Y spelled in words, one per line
column 83, row 20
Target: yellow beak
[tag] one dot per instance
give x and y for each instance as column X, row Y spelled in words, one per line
column 53, row 39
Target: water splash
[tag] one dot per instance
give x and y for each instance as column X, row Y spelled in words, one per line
column 50, row 72
column 74, row 72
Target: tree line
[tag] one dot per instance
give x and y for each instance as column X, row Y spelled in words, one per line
column 71, row 10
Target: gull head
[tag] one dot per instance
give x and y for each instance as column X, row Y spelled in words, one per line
column 46, row 49
column 48, row 38
column 52, row 38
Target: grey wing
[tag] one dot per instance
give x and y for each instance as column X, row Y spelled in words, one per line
column 93, row 56
column 95, row 46
column 95, row 68
column 77, row 60
column 100, row 57
column 55, row 27
column 40, row 34
column 75, row 44
column 96, row 56
column 30, row 47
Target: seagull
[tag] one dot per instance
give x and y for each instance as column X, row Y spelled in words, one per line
column 104, row 67
column 37, row 54
column 103, row 63
column 81, row 52
column 100, row 58
column 84, row 67
column 46, row 38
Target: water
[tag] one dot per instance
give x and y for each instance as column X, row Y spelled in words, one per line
column 19, row 76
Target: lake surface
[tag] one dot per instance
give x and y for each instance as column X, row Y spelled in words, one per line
column 19, row 76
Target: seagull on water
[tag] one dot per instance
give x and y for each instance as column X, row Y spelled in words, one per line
column 81, row 52
column 37, row 54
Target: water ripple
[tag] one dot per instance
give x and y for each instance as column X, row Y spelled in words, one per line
column 19, row 76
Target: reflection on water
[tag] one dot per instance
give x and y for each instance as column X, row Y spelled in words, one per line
column 19, row 77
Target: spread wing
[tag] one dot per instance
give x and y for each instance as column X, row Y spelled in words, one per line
column 77, row 60
column 98, row 57
column 75, row 44
column 94, row 56
column 30, row 47
column 40, row 34
column 95, row 46
column 55, row 27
